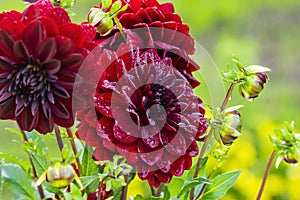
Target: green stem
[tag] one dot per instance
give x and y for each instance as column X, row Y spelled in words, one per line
column 207, row 138
column 152, row 190
column 119, row 25
column 40, row 187
column 262, row 186
column 159, row 190
column 70, row 135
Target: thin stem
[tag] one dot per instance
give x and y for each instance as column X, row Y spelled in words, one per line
column 227, row 97
column 262, row 186
column 58, row 138
column 159, row 190
column 207, row 138
column 70, row 135
column 40, row 187
column 204, row 185
column 152, row 190
column 101, row 185
column 125, row 188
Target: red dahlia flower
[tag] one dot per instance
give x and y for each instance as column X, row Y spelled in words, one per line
column 146, row 111
column 163, row 30
column 40, row 53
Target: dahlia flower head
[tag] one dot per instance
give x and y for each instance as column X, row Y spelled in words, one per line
column 40, row 53
column 142, row 105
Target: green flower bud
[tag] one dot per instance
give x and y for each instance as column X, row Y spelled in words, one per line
column 292, row 156
column 101, row 20
column 59, row 175
column 231, row 127
column 253, row 82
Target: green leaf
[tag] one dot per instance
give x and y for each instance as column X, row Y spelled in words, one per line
column 175, row 185
column 88, row 180
column 115, row 7
column 36, row 143
column 220, row 185
column 40, row 163
column 106, row 4
column 166, row 193
column 18, row 181
column 17, row 132
column 23, row 163
column 117, row 194
column 188, row 185
column 138, row 197
column 89, row 168
column 1, row 179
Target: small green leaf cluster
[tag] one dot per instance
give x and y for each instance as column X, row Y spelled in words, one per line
column 286, row 144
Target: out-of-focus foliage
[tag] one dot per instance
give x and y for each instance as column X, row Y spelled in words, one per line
column 264, row 32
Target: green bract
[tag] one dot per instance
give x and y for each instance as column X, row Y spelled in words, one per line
column 286, row 144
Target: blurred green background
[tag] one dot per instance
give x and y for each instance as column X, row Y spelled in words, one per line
column 264, row 32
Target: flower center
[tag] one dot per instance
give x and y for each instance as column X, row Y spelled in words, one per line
column 156, row 113
column 31, row 82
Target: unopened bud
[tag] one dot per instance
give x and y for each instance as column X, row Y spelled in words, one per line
column 101, row 20
column 292, row 156
column 60, row 176
column 254, row 81
column 231, row 127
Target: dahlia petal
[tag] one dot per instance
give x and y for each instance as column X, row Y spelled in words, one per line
column 71, row 61
column 51, row 66
column 12, row 26
column 19, row 107
column 60, row 91
column 5, row 96
column 163, row 177
column 103, row 104
column 6, row 43
column 152, row 141
column 7, row 109
column 35, row 107
column 144, row 171
column 5, row 65
column 188, row 162
column 30, row 13
column 44, row 6
column 64, row 45
column 178, row 167
column 109, row 145
column 20, row 51
column 59, row 110
column 149, row 156
column 45, row 125
column 105, row 127
column 177, row 146
column 46, row 49
column 167, row 8
column 89, row 31
column 74, row 32
column 65, row 121
column 122, row 136
column 129, row 152
column 59, row 15
column 33, row 34
column 50, row 26
column 26, row 121
column 154, row 181
column 46, row 109
column 193, row 149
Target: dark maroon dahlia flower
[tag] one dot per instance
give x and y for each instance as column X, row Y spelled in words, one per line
column 146, row 111
column 161, row 29
column 38, row 66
